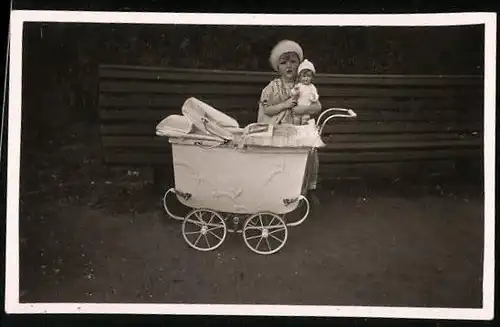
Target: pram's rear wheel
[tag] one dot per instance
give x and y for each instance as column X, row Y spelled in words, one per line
column 265, row 233
column 204, row 230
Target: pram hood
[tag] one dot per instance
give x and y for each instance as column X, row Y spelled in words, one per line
column 201, row 121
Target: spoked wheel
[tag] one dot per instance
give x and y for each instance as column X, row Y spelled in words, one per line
column 204, row 230
column 265, row 233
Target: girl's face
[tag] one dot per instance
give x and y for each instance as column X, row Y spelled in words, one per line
column 306, row 76
column 287, row 66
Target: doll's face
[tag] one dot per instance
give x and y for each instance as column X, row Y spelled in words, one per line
column 306, row 76
column 287, row 65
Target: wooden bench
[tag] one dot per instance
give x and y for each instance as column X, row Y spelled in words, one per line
column 403, row 121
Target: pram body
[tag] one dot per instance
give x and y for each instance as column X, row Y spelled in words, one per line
column 227, row 174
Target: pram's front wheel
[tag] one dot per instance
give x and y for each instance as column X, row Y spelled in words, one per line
column 204, row 230
column 265, row 233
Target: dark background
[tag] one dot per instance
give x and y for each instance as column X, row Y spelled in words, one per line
column 60, row 60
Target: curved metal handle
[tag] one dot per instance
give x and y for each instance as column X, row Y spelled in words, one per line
column 350, row 113
column 171, row 190
column 346, row 113
column 306, row 214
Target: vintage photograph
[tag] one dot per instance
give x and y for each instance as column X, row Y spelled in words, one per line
column 251, row 164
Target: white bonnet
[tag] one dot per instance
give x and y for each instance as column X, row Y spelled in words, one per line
column 282, row 47
column 306, row 64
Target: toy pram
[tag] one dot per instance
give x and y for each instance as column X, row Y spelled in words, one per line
column 243, row 178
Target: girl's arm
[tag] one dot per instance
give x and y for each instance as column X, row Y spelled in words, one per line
column 272, row 110
column 275, row 109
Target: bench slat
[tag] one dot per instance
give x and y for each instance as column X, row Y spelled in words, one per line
column 197, row 89
column 165, row 158
column 161, row 143
column 156, row 141
column 340, row 127
column 344, row 146
column 334, row 128
column 382, row 156
column 393, row 170
column 403, row 137
column 468, row 101
column 205, row 75
column 149, row 115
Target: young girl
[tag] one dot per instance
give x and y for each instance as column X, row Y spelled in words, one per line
column 277, row 105
column 304, row 91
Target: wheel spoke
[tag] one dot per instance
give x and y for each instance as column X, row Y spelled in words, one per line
column 194, row 222
column 268, row 245
column 206, row 240
column 258, row 243
column 275, row 231
column 211, row 218
column 190, row 233
column 215, row 225
column 197, row 240
column 254, row 227
column 199, row 215
column 220, row 238
column 271, row 222
column 214, row 228
column 252, row 237
column 279, row 240
column 276, row 226
column 260, row 219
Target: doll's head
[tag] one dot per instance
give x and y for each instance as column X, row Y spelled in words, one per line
column 306, row 76
column 306, row 72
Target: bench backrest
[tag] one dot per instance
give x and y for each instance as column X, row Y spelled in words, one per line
column 399, row 117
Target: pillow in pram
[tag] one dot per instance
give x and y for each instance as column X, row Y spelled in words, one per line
column 194, row 109
column 177, row 126
column 209, row 119
column 175, row 123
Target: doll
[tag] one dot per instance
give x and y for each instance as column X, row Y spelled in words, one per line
column 304, row 91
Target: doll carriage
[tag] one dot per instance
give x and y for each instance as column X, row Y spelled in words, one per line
column 242, row 180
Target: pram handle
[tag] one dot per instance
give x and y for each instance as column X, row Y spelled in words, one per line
column 346, row 113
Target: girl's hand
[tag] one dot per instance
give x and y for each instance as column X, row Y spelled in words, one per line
column 290, row 103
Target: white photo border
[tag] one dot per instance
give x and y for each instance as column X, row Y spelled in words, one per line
column 18, row 17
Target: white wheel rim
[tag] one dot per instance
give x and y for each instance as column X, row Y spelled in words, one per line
column 265, row 233
column 204, row 230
